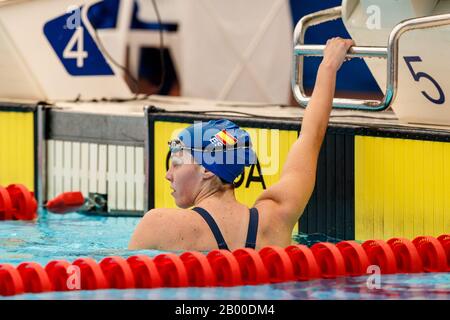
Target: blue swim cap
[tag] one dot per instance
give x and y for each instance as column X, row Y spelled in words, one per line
column 220, row 146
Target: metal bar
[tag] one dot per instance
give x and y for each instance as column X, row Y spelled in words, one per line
column 41, row 156
column 147, row 161
column 297, row 79
column 354, row 52
column 314, row 19
column 390, row 53
column 299, row 39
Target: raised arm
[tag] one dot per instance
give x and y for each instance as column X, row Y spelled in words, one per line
column 290, row 195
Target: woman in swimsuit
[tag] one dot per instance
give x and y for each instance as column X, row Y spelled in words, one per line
column 206, row 159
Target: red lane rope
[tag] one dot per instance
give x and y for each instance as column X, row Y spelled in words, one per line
column 172, row 270
column 91, row 274
column 6, row 208
column 17, row 203
column 34, row 277
column 23, row 202
column 406, row 255
column 117, row 272
column 145, row 273
column 271, row 264
column 329, row 259
column 380, row 254
column 445, row 241
column 58, row 272
column 226, row 268
column 198, row 269
column 432, row 253
column 252, row 267
column 355, row 258
column 10, row 281
column 278, row 264
column 304, row 263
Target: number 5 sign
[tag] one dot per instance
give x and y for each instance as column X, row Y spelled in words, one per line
column 75, row 47
column 440, row 99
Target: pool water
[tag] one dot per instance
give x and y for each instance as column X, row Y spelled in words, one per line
column 76, row 235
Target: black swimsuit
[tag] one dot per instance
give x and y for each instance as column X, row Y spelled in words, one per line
column 251, row 233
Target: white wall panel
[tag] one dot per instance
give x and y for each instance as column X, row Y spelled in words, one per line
column 117, row 171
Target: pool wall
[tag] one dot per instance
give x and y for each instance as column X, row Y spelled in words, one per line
column 18, row 144
column 402, row 185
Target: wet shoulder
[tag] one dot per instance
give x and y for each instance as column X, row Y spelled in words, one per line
column 173, row 229
column 176, row 217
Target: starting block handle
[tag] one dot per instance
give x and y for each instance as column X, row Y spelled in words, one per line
column 353, row 52
column 390, row 53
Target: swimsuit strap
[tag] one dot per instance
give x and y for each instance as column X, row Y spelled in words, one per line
column 213, row 226
column 251, row 233
column 252, row 229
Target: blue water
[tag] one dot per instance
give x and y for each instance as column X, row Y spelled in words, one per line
column 75, row 235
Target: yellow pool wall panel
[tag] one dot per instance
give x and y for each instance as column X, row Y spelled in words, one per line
column 402, row 188
column 17, row 148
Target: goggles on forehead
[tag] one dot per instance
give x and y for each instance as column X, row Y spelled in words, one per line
column 176, row 145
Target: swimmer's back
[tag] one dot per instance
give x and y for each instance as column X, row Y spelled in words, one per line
column 185, row 229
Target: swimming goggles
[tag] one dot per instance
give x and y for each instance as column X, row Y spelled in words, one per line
column 176, row 145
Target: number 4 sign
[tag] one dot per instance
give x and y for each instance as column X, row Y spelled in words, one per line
column 78, row 53
column 75, row 47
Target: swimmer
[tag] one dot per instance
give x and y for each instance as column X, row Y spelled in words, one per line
column 206, row 159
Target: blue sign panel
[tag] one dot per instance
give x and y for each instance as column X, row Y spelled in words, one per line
column 75, row 47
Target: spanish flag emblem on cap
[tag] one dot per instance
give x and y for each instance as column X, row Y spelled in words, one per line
column 226, row 138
